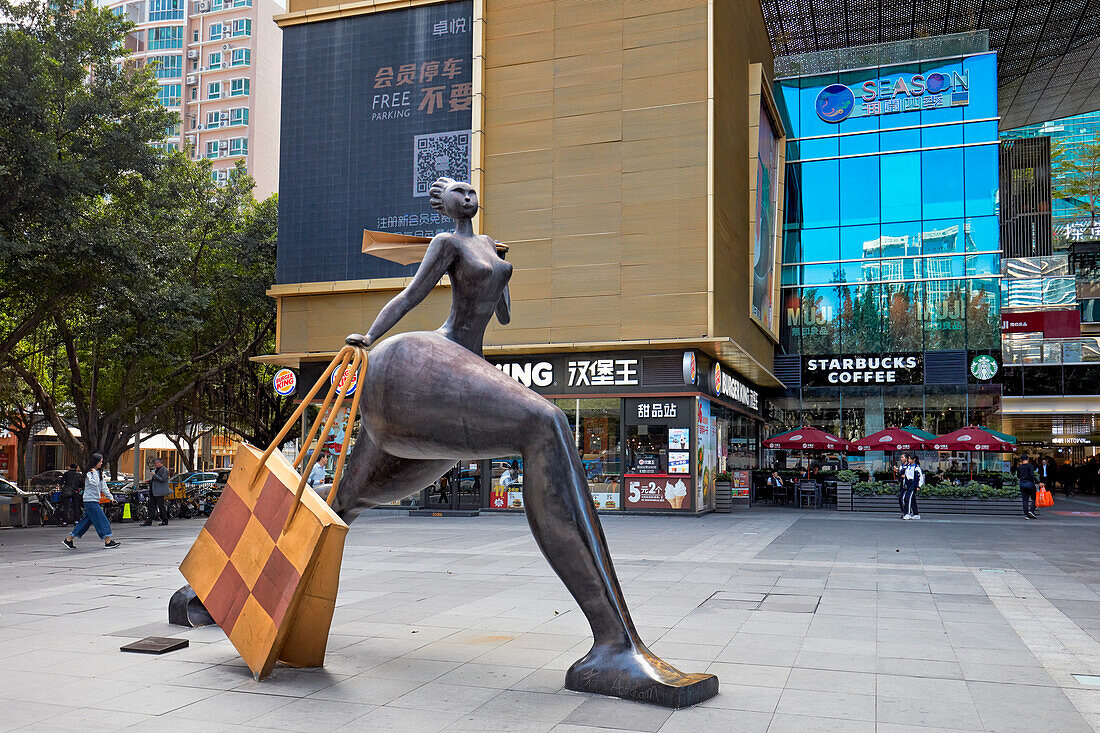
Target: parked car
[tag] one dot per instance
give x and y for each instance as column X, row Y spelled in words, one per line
column 47, row 480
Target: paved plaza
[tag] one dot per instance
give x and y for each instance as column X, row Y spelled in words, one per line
column 813, row 621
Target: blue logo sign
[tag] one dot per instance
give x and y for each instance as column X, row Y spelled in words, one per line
column 835, row 102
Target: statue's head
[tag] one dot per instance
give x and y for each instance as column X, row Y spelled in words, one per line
column 456, row 199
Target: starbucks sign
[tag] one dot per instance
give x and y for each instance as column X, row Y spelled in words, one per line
column 983, row 367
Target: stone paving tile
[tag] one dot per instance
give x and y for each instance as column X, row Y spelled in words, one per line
column 827, row 704
column 452, row 626
column 786, row 723
column 311, row 716
column 618, row 715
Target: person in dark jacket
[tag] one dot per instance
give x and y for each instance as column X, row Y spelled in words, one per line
column 899, row 476
column 1028, row 483
column 1046, row 471
column 72, row 495
column 158, row 491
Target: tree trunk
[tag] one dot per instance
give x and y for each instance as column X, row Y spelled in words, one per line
column 21, row 441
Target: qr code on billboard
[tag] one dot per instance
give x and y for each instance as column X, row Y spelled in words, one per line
column 440, row 154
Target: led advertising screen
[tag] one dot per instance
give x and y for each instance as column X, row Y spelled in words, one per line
column 764, row 239
column 375, row 108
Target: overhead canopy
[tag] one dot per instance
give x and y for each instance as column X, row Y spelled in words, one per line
column 1048, row 51
column 893, row 439
column 807, row 438
column 975, row 438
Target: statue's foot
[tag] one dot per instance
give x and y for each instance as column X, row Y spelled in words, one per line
column 635, row 673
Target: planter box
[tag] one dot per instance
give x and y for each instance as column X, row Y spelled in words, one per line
column 843, row 497
column 723, row 497
column 936, row 505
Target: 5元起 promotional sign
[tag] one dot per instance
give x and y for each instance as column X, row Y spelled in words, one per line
column 863, row 369
column 657, row 492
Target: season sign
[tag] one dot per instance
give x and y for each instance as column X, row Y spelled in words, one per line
column 893, row 369
column 901, row 93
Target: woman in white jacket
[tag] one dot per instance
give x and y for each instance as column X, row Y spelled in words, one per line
column 95, row 486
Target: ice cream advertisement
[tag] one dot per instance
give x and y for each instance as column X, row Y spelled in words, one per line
column 678, row 439
column 658, row 492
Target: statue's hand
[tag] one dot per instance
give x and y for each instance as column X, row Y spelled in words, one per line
column 358, row 339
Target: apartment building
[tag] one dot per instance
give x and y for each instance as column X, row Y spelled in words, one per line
column 219, row 64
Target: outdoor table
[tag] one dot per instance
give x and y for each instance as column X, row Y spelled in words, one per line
column 812, row 489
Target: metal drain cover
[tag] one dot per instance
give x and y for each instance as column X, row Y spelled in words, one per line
column 784, row 602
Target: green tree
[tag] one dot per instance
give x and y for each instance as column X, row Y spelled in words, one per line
column 72, row 124
column 191, row 306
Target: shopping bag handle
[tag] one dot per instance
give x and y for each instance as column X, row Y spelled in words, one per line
column 356, row 358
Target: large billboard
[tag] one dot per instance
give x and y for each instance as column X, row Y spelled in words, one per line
column 374, row 108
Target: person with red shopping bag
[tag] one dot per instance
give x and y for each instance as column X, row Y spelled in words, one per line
column 1029, row 482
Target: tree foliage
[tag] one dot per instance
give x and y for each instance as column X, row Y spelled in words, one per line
column 191, row 305
column 72, row 124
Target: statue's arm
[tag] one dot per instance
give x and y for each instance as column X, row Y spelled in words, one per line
column 504, row 308
column 437, row 260
column 504, row 305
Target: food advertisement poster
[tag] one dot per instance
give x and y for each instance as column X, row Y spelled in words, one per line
column 658, row 492
column 678, row 439
column 707, row 458
column 679, row 462
column 742, row 482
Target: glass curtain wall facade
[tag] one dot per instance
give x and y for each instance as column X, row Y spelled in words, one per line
column 891, row 242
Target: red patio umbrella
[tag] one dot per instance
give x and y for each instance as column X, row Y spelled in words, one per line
column 892, row 439
column 807, row 438
column 973, row 438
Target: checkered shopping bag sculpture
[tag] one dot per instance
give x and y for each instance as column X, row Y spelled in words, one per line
column 267, row 563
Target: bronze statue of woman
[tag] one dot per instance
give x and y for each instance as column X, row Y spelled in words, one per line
column 430, row 399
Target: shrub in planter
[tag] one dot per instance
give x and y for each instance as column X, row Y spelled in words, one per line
column 847, row 476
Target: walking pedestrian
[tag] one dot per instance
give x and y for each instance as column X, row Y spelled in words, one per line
column 72, row 491
column 317, row 473
column 1028, row 483
column 912, row 480
column 899, row 476
column 95, row 486
column 158, row 494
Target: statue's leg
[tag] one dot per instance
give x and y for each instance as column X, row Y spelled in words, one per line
column 372, row 477
column 567, row 529
column 421, row 424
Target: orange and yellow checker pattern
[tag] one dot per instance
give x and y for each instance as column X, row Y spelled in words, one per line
column 246, row 571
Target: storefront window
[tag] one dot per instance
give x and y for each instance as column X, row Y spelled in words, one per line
column 598, row 435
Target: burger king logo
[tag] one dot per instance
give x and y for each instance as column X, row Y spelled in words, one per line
column 285, row 382
column 690, row 368
column 349, row 380
column 716, row 379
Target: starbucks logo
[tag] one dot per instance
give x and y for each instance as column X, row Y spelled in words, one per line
column 983, row 367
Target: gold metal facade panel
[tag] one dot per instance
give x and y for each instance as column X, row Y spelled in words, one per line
column 614, row 151
column 732, row 254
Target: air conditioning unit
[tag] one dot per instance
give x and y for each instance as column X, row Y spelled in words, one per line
column 203, row 7
column 224, row 116
column 192, row 79
column 226, row 47
column 193, row 53
column 190, row 139
column 223, row 145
